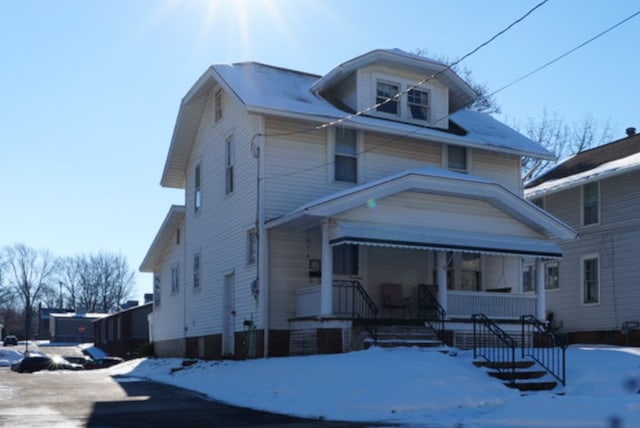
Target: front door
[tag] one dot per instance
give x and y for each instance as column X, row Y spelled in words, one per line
column 229, row 313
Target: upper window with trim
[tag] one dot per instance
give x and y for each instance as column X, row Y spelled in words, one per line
column 418, row 104
column 346, row 155
column 591, row 203
column 252, row 246
column 196, row 270
column 229, row 161
column 386, row 96
column 457, row 158
column 218, row 105
column 197, row 190
column 175, row 279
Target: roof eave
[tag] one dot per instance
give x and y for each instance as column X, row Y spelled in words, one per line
column 172, row 220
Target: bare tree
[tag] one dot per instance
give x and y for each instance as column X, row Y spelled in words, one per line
column 30, row 273
column 562, row 139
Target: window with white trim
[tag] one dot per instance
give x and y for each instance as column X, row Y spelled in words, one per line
column 590, row 203
column 457, row 158
column 196, row 270
column 175, row 279
column 418, row 104
column 218, row 105
column 386, row 96
column 197, row 190
column 346, row 155
column 552, row 275
column 590, row 280
column 252, row 246
column 229, row 164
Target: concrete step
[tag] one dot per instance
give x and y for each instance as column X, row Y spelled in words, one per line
column 518, row 374
column 504, row 365
column 532, row 386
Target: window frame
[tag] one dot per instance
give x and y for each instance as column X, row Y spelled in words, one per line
column 252, row 246
column 447, row 158
column 229, row 161
column 175, row 278
column 157, row 289
column 547, row 266
column 529, row 269
column 218, row 104
column 584, row 207
column 426, row 106
column 347, row 263
column 197, row 187
column 197, row 269
column 594, row 257
column 354, row 157
column 394, row 101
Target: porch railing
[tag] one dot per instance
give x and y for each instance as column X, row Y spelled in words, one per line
column 544, row 346
column 496, row 305
column 494, row 345
column 433, row 313
column 351, row 299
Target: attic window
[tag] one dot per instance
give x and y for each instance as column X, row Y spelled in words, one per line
column 385, row 96
column 418, row 103
column 218, row 105
column 457, row 158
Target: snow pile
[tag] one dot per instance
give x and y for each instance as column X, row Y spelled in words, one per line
column 413, row 386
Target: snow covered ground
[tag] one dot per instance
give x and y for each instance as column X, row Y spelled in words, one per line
column 414, row 387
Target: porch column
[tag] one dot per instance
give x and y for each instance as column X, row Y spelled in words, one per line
column 441, row 266
column 326, row 284
column 541, row 301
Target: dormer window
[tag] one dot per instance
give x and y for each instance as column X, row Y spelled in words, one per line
column 418, row 103
column 385, row 93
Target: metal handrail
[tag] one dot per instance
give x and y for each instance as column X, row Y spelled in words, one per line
column 437, row 323
column 354, row 300
column 494, row 345
column 545, row 346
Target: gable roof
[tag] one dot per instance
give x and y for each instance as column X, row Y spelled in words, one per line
column 462, row 94
column 264, row 89
column 436, row 181
column 594, row 164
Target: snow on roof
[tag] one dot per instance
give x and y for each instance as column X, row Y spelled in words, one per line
column 79, row 315
column 605, row 170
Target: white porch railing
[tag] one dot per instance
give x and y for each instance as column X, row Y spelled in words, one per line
column 463, row 304
column 308, row 301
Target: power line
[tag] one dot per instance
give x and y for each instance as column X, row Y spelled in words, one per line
column 411, row 87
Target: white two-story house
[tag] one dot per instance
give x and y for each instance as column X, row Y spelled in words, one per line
column 315, row 203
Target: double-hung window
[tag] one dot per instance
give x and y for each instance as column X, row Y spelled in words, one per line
column 387, row 95
column 346, row 155
column 175, row 279
column 196, row 271
column 229, row 164
column 590, row 203
column 457, row 158
column 418, row 103
column 590, row 280
column 197, row 199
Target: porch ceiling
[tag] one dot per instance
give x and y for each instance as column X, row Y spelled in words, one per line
column 397, row 236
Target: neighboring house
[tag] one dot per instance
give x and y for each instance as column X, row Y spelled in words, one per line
column 295, row 219
column 123, row 333
column 44, row 319
column 72, row 327
column 593, row 291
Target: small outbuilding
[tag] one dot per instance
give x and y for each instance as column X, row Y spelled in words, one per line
column 73, row 327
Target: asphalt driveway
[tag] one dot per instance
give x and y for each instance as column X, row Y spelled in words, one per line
column 96, row 399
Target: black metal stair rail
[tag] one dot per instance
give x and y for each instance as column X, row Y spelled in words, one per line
column 435, row 315
column 494, row 345
column 352, row 299
column 545, row 346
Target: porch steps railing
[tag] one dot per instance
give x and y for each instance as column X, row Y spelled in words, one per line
column 431, row 311
column 351, row 299
column 543, row 345
column 497, row 351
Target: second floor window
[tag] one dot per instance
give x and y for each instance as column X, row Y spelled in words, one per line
column 346, row 155
column 196, row 270
column 229, row 161
column 175, row 279
column 457, row 158
column 197, row 190
column 252, row 246
column 387, row 91
column 418, row 103
column 590, row 203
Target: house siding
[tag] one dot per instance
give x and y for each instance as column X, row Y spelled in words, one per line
column 616, row 241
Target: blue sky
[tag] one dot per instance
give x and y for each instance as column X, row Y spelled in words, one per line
column 89, row 90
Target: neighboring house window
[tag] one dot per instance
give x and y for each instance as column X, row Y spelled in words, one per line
column 196, row 270
column 528, row 275
column 457, row 158
column 252, row 246
column 197, row 188
column 218, row 105
column 590, row 203
column 230, row 160
column 387, row 91
column 346, row 155
column 175, row 279
column 345, row 260
column 590, row 280
column 156, row 291
column 552, row 275
column 418, row 103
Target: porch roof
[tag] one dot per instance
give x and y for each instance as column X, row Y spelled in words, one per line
column 398, row 236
